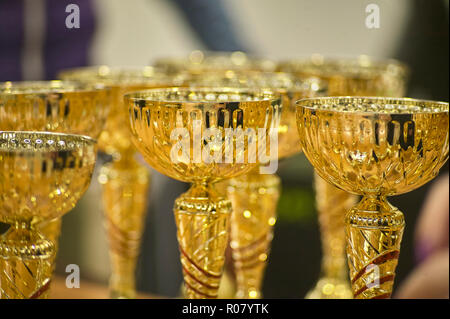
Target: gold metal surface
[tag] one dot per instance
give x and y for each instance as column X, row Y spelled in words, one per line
column 55, row 106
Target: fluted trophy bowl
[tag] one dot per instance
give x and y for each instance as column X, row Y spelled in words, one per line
column 54, row 106
column 375, row 147
column 159, row 116
column 361, row 76
column 42, row 175
column 202, row 135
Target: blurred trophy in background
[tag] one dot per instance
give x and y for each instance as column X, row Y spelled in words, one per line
column 125, row 180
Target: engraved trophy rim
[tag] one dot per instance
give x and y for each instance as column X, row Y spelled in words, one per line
column 15, row 88
column 158, row 94
column 324, row 104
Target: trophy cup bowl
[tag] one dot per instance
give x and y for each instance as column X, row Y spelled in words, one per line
column 115, row 137
column 375, row 147
column 289, row 87
column 43, row 176
column 54, row 106
column 184, row 133
column 125, row 181
column 254, row 196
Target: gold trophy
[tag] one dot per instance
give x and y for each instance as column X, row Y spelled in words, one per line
column 42, row 176
column 225, row 69
column 375, row 147
column 361, row 76
column 198, row 62
column 189, row 134
column 254, row 196
column 125, row 180
column 53, row 106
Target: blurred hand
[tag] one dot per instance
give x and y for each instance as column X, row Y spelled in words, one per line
column 430, row 279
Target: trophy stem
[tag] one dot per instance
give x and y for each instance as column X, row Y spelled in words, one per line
column 332, row 205
column 52, row 231
column 25, row 263
column 202, row 217
column 125, row 185
column 374, row 230
column 254, row 197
